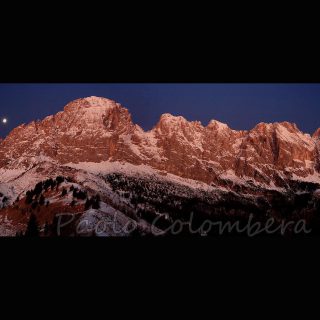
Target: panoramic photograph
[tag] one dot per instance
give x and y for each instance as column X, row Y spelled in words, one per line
column 159, row 160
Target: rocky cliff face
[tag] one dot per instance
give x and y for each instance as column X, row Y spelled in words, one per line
column 97, row 129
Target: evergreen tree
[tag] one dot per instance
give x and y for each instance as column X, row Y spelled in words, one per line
column 79, row 194
column 53, row 184
column 88, row 204
column 64, row 192
column 96, row 202
column 96, row 205
column 41, row 201
column 59, row 180
column 34, row 204
column 75, row 193
column 82, row 195
column 29, row 197
column 33, row 227
column 38, row 188
column 47, row 184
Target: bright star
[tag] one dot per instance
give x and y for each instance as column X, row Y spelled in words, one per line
column 4, row 120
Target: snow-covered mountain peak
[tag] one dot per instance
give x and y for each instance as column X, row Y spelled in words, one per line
column 92, row 103
column 217, row 125
column 100, row 102
column 170, row 123
column 169, row 118
column 263, row 125
column 286, row 128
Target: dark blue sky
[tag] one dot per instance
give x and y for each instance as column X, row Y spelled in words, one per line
column 242, row 106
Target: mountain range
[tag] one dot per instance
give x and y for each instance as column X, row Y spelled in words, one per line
column 177, row 168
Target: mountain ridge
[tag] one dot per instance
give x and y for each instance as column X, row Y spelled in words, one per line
column 96, row 129
column 93, row 101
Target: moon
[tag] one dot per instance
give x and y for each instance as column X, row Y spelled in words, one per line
column 4, row 120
